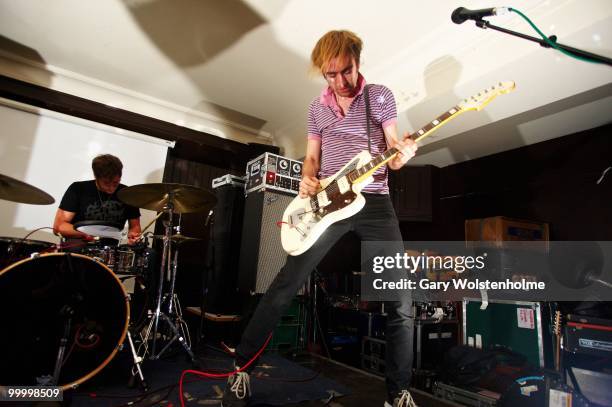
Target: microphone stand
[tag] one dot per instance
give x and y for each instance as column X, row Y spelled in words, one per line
column 484, row 24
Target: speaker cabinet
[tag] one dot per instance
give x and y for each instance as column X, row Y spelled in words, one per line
column 221, row 279
column 261, row 252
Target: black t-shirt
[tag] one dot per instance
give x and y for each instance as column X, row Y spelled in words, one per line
column 88, row 203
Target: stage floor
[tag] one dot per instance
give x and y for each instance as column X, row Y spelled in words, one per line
column 367, row 389
column 303, row 380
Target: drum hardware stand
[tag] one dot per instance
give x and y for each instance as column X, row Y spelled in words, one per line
column 174, row 311
column 174, row 306
column 173, row 298
column 166, row 268
column 66, row 312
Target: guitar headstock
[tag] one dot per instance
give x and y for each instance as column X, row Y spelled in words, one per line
column 483, row 98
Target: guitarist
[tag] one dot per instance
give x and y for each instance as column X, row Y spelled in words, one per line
column 336, row 133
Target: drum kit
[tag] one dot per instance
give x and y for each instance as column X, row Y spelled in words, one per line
column 67, row 314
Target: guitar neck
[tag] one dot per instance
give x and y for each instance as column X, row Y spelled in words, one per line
column 360, row 174
column 435, row 124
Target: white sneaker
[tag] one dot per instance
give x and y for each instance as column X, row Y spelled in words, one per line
column 237, row 390
column 403, row 399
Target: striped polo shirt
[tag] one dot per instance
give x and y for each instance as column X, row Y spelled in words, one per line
column 343, row 137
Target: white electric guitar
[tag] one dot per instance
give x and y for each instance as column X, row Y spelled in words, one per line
column 339, row 196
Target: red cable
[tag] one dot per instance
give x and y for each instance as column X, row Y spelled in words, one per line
column 219, row 375
column 63, row 246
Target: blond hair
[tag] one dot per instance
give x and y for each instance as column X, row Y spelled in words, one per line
column 335, row 44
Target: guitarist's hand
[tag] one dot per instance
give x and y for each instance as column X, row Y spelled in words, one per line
column 407, row 149
column 308, row 186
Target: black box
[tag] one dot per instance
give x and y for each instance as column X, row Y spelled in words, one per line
column 373, row 354
column 273, row 172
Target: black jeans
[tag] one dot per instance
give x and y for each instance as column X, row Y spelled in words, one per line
column 375, row 222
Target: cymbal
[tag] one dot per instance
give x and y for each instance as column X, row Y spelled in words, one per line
column 178, row 238
column 14, row 190
column 155, row 197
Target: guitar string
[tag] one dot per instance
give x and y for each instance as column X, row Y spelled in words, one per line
column 333, row 186
column 352, row 175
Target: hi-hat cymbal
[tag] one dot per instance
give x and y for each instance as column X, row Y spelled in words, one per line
column 155, row 197
column 178, row 238
column 18, row 191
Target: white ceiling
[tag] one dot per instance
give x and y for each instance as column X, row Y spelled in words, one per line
column 239, row 69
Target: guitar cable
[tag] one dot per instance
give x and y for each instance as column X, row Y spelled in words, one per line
column 220, row 375
column 551, row 41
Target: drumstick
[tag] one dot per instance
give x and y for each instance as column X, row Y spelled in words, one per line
column 150, row 223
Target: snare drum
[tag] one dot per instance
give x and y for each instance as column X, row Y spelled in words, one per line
column 125, row 259
column 34, row 297
column 120, row 259
column 102, row 254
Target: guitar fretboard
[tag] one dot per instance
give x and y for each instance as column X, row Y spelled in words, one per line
column 381, row 159
column 373, row 165
column 437, row 122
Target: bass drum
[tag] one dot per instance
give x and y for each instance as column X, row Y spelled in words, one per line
column 36, row 298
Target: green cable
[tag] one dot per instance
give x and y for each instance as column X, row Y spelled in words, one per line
column 550, row 42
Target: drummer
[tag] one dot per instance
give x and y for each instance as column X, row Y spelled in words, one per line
column 96, row 200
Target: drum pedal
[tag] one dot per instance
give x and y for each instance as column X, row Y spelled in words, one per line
column 137, row 360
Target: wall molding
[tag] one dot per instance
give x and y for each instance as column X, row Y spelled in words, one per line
column 66, row 81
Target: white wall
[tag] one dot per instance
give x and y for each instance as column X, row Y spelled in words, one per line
column 51, row 150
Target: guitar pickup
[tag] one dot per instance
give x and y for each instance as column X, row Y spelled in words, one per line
column 343, row 185
column 322, row 199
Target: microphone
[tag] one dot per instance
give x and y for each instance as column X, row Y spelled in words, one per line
column 207, row 221
column 461, row 14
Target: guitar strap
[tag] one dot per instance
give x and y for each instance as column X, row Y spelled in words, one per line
column 367, row 103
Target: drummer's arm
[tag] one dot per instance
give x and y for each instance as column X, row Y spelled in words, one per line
column 133, row 230
column 62, row 225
